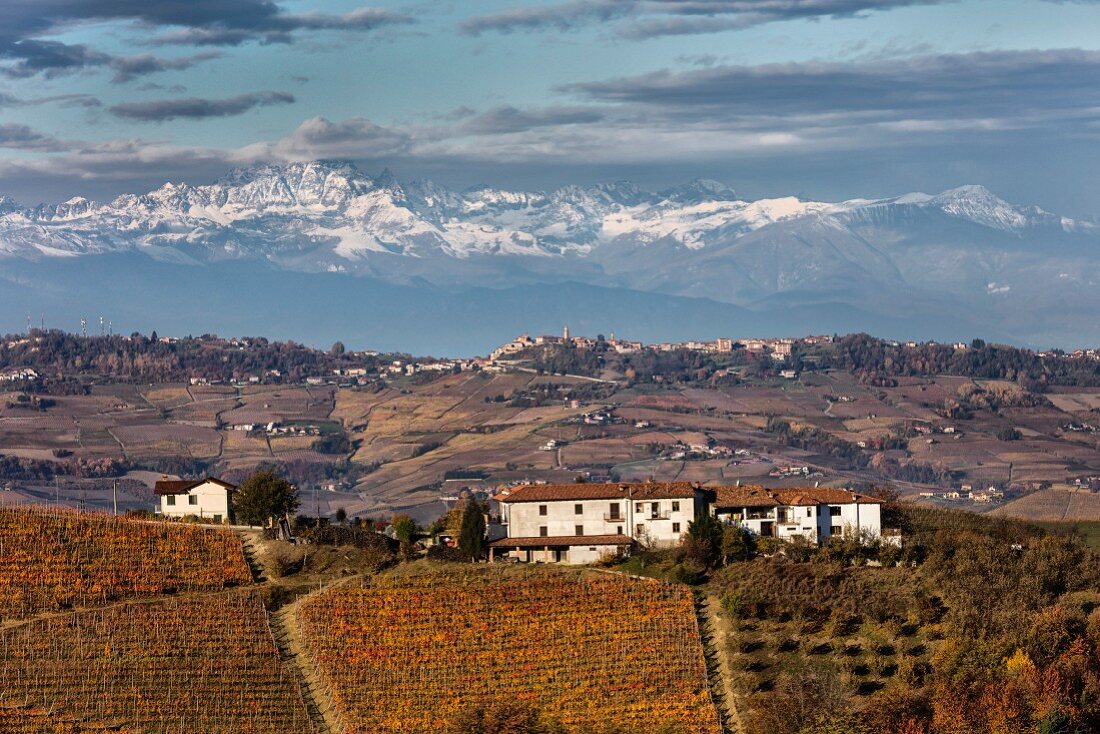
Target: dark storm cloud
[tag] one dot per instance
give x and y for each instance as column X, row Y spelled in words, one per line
column 196, row 108
column 194, row 22
column 650, row 18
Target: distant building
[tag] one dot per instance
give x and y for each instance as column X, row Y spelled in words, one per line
column 206, row 498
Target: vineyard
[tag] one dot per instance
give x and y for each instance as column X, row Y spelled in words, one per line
column 406, row 655
column 51, row 560
column 199, row 664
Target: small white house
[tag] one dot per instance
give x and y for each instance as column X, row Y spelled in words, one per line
column 208, row 498
column 579, row 523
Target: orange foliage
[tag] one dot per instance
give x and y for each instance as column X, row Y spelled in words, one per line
column 199, row 664
column 60, row 559
column 404, row 656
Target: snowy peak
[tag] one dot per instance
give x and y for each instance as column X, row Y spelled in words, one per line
column 331, row 215
column 699, row 191
column 9, row 205
column 311, row 184
column 980, row 205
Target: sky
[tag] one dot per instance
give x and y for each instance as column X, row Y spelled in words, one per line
column 826, row 99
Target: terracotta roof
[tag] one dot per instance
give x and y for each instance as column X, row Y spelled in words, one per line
column 757, row 496
column 557, row 541
column 183, row 486
column 639, row 491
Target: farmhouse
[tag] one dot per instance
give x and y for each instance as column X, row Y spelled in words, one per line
column 207, row 498
column 813, row 513
column 578, row 523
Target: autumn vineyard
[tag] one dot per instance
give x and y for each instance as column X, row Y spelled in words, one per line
column 51, row 560
column 405, row 655
column 196, row 664
column 144, row 627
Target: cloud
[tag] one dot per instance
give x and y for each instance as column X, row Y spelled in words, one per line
column 22, row 137
column 897, row 113
column 196, row 108
column 640, row 19
column 508, row 119
column 317, row 137
column 194, row 22
column 564, row 17
column 1014, row 87
column 127, row 68
column 280, row 28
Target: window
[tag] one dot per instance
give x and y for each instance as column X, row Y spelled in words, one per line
column 192, row 499
column 675, row 506
column 614, row 510
column 217, row 518
column 836, row 530
column 578, row 509
column 171, row 499
column 637, row 507
column 834, row 511
column 618, row 530
column 809, row 512
column 654, row 510
column 542, row 510
column 542, row 531
column 675, row 527
column 639, row 529
column 579, row 529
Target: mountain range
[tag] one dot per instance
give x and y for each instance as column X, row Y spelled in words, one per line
column 959, row 263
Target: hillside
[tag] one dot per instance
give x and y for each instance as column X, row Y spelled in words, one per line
column 927, row 419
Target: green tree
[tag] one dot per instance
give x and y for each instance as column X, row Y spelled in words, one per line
column 404, row 528
column 264, row 497
column 471, row 539
column 337, row 349
column 703, row 542
column 737, row 544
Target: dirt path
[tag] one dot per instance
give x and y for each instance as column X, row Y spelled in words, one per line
column 287, row 635
column 716, row 629
column 288, row 638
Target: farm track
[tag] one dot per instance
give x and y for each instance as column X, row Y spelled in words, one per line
column 284, row 629
column 714, row 632
column 283, row 623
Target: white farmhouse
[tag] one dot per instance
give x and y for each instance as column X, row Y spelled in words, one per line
column 579, row 523
column 812, row 513
column 206, row 498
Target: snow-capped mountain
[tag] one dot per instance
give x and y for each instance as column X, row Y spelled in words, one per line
column 963, row 249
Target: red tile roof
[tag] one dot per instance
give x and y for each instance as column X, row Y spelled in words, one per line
column 757, row 496
column 183, row 486
column 557, row 541
column 639, row 491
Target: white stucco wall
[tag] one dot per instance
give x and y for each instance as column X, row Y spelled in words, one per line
column 210, row 500
column 815, row 523
column 635, row 518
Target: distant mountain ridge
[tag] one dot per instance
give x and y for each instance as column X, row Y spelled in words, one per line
column 1021, row 271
